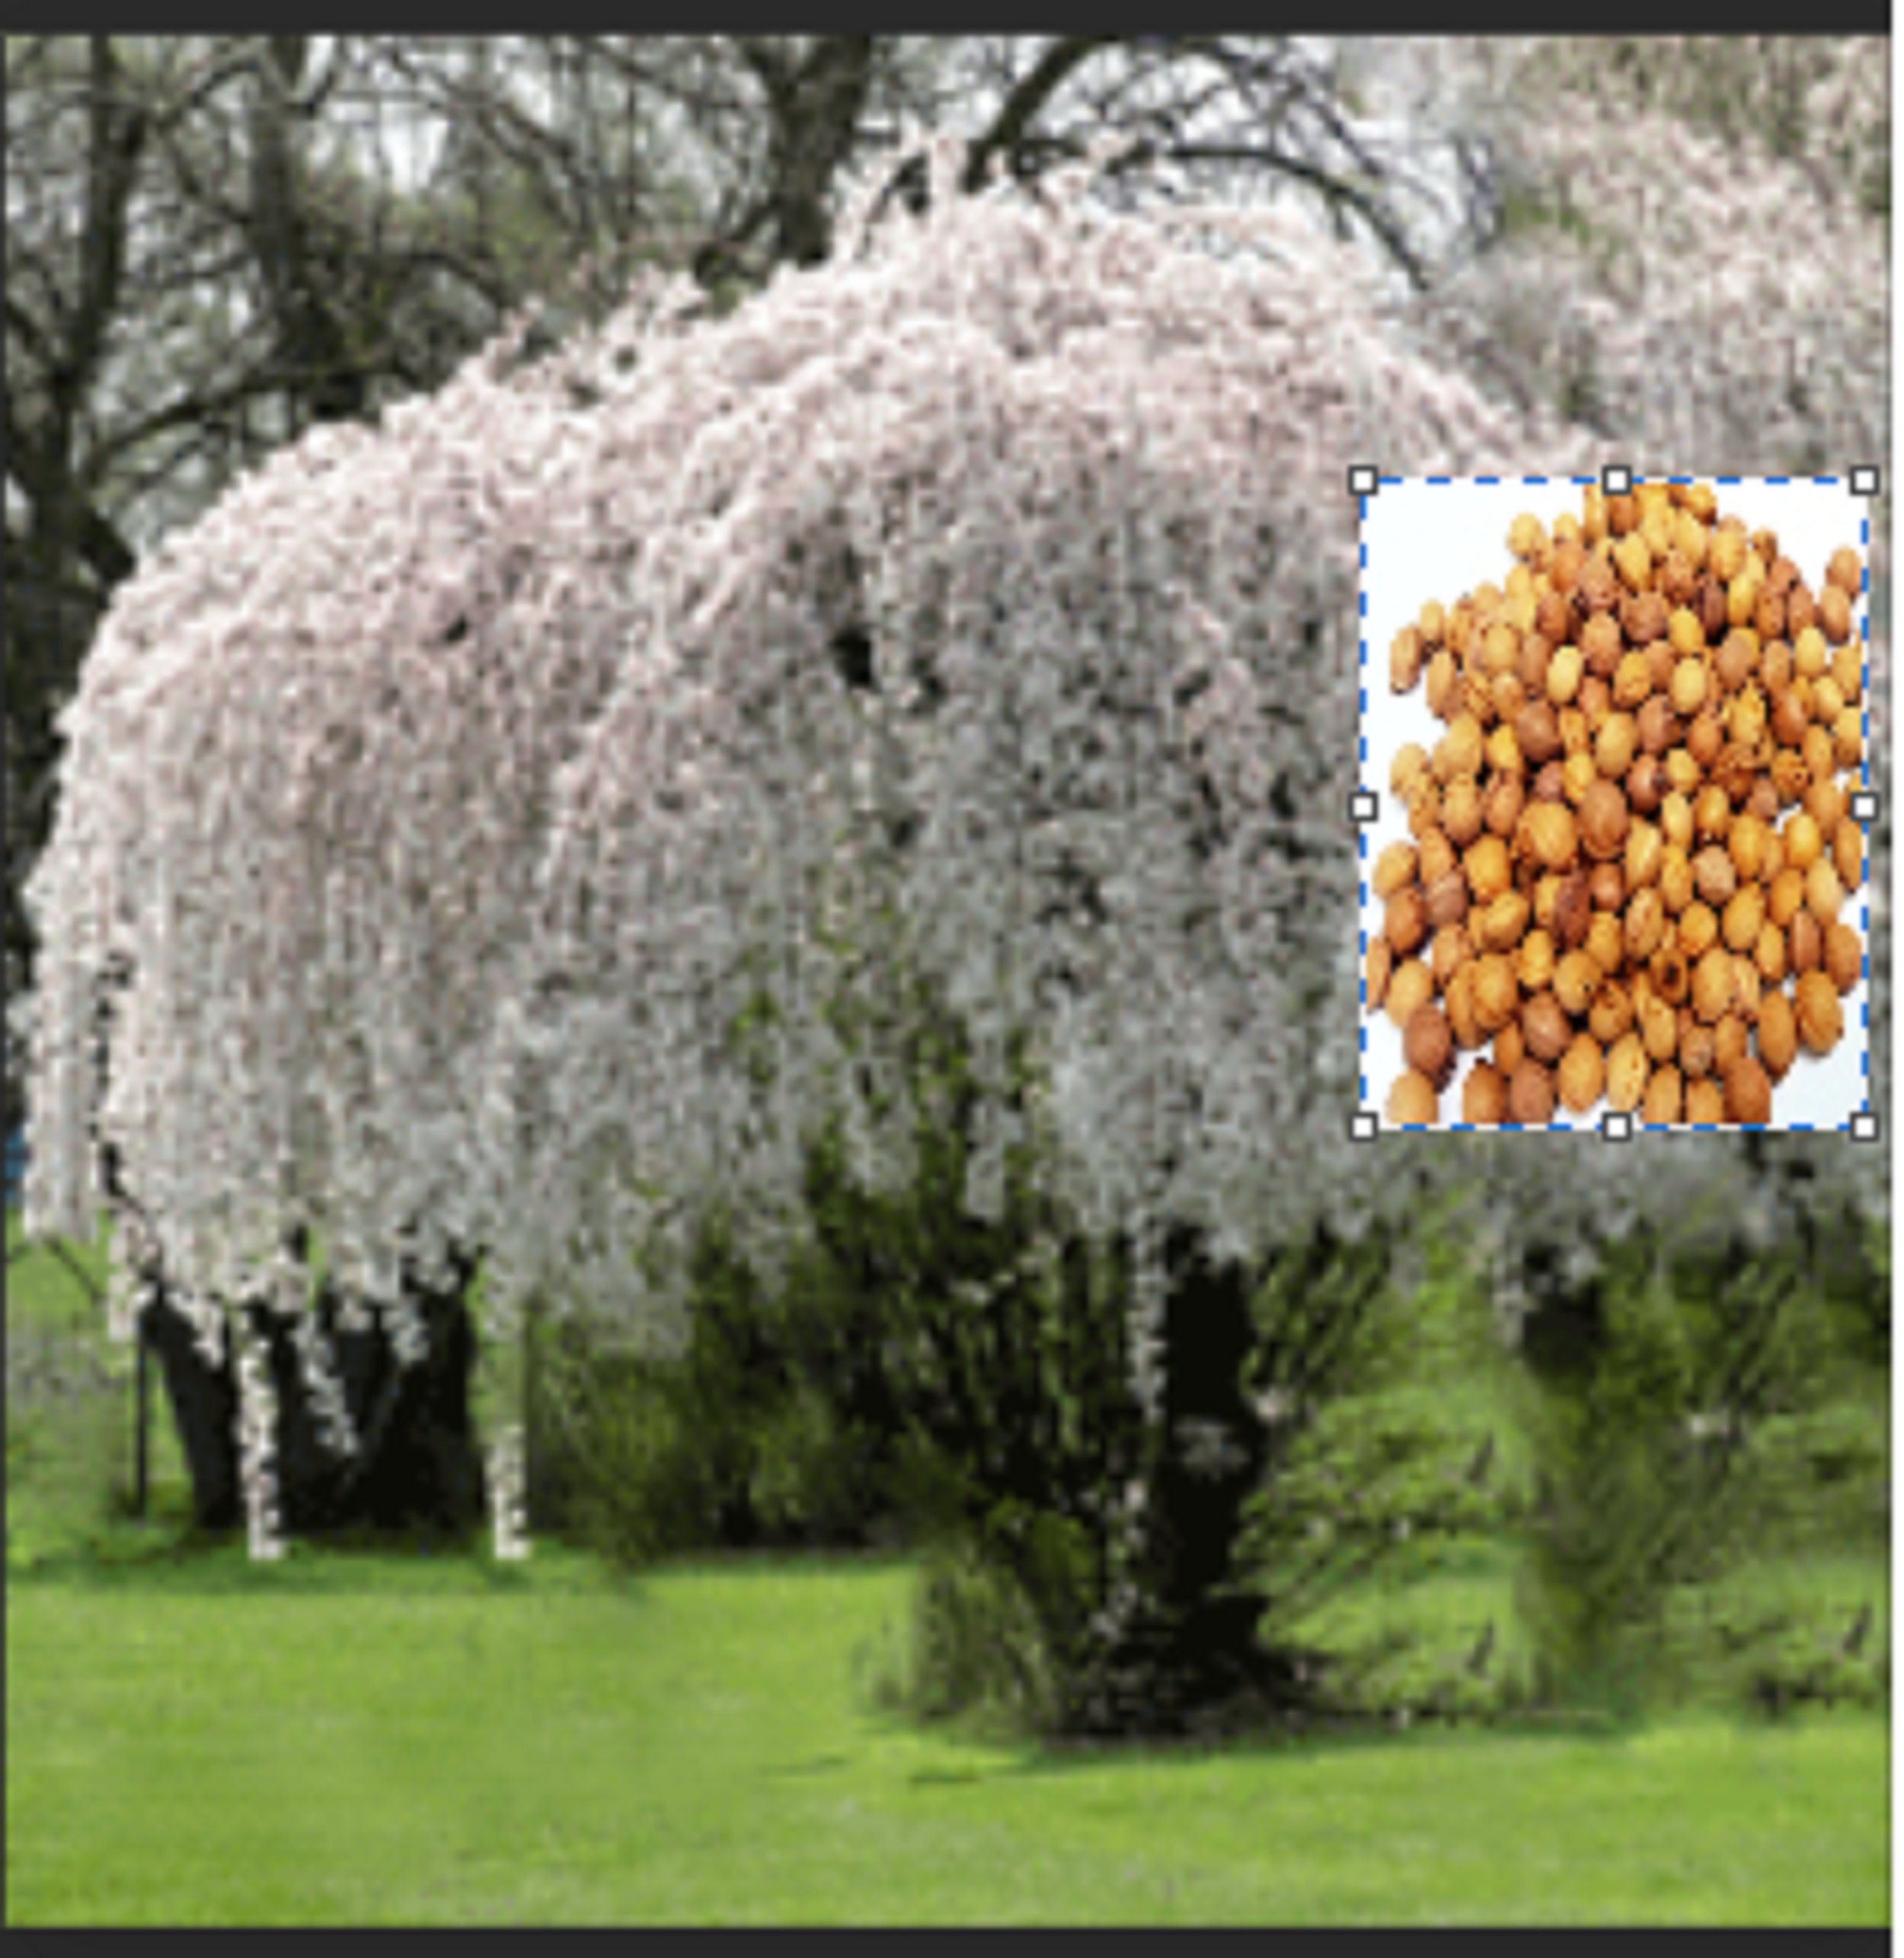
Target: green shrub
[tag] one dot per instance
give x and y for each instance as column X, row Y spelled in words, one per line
column 978, row 1653
column 1706, row 1411
column 1393, row 1453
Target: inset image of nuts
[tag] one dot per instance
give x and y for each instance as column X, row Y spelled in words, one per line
column 1631, row 849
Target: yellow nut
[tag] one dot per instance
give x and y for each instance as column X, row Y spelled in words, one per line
column 1626, row 1073
column 1819, row 1013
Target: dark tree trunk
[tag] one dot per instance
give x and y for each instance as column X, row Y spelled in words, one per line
column 1212, row 1462
column 418, row 1463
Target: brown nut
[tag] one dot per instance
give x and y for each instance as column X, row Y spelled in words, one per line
column 1605, row 941
column 1659, row 1028
column 1746, row 844
column 1549, row 834
column 1405, row 921
column 1632, row 680
column 1819, row 1012
column 1496, row 992
column 1645, row 925
column 1714, row 876
column 1610, row 1015
column 1460, row 811
column 1616, row 747
column 1578, row 773
column 1712, row 812
column 1843, row 963
column 1410, row 985
column 1446, row 900
column 1530, row 1095
column 1565, row 669
column 1502, row 802
column 1490, row 869
column 1459, row 999
column 1646, row 785
column 1626, row 1073
column 1712, row 990
column 1576, row 980
column 1510, row 1048
column 1768, row 954
column 1394, row 868
column 1661, row 1107
column 1745, row 988
column 1600, row 645
column 1437, row 856
column 1824, row 895
column 1443, row 690
column 1778, row 1035
column 1375, row 972
column 1424, row 810
column 1744, row 917
column 1687, row 693
column 1645, row 855
column 1670, row 975
column 1545, row 1027
column 1449, row 950
column 1603, row 819
column 1698, row 1046
column 1484, row 1096
column 1573, row 911
column 1498, row 926
column 1535, row 960
column 1786, row 897
column 1606, row 883
column 1428, row 1044
column 1805, row 943
column 1730, row 1040
column 1412, row 1099
column 1537, row 729
column 1827, row 804
column 1408, row 771
column 1705, row 1104
column 1698, row 930
column 1804, row 843
column 1583, row 1074
column 1748, row 1093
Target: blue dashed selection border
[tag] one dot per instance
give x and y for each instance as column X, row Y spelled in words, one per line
column 1862, row 1123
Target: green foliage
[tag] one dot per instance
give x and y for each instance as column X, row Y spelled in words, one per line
column 1394, row 1447
column 978, row 1656
column 1696, row 1419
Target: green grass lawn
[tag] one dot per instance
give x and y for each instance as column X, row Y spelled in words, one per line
column 340, row 1740
column 352, row 1738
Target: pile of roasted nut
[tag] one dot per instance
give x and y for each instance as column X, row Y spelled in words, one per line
column 1632, row 846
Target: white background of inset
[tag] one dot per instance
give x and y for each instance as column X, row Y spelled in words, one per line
column 1425, row 540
